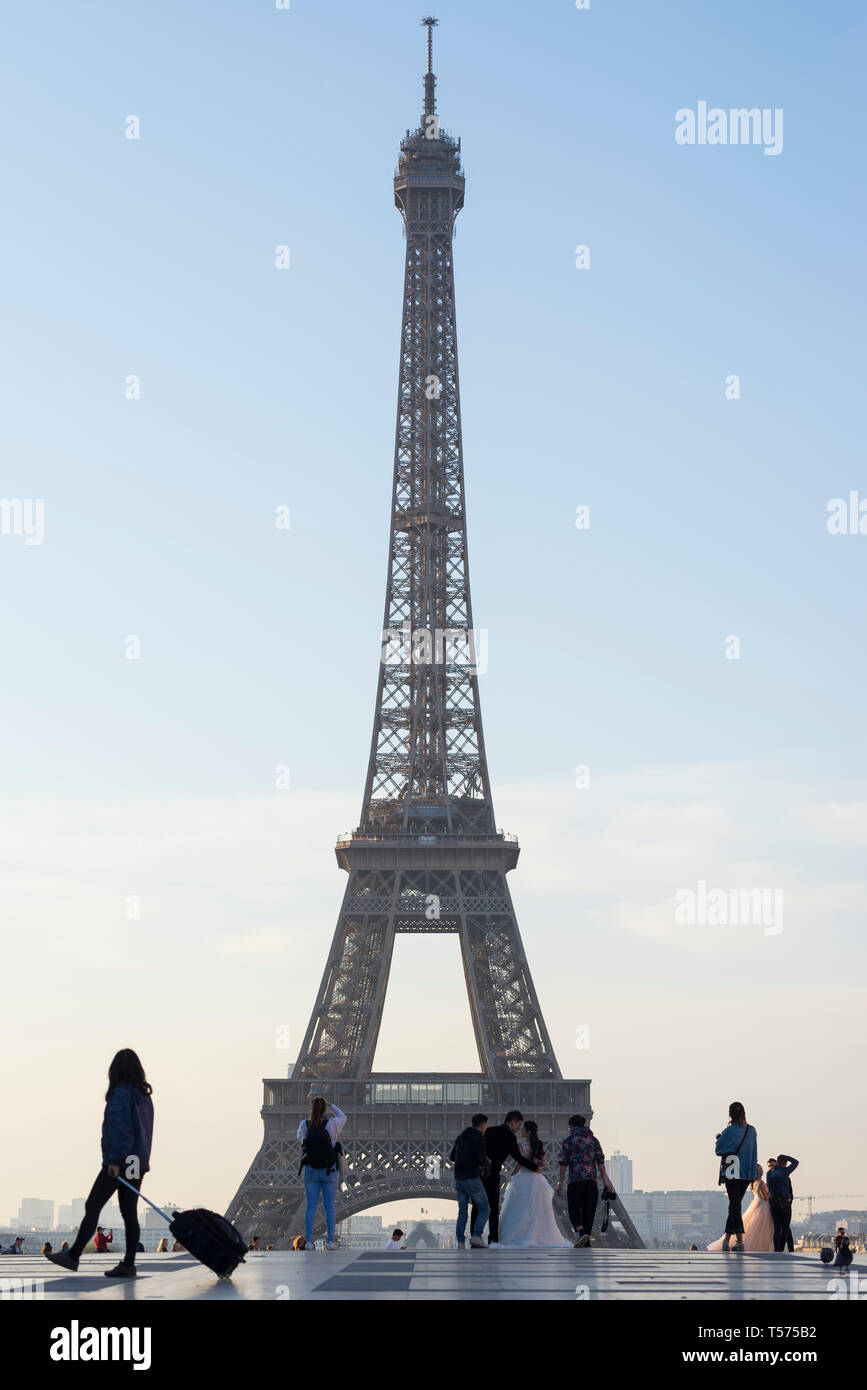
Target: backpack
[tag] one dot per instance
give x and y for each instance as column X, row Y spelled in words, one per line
column 317, row 1149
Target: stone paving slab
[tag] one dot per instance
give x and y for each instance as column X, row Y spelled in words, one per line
column 620, row 1275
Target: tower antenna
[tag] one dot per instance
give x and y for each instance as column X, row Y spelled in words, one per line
column 430, row 81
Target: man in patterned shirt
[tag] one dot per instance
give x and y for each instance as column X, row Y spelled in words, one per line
column 582, row 1154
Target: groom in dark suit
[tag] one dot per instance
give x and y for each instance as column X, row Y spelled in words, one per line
column 500, row 1144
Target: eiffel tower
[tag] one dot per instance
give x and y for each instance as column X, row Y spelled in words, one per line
column 427, row 856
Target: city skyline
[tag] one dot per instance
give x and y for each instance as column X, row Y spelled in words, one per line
column 147, row 834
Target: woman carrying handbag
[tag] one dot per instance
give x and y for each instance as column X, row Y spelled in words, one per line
column 737, row 1147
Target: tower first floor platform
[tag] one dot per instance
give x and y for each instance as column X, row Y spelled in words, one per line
column 399, row 1131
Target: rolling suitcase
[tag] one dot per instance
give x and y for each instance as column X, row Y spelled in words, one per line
column 211, row 1238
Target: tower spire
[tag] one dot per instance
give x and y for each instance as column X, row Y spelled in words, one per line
column 430, row 82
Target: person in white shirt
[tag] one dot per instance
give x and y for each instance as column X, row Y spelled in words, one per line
column 396, row 1239
column 318, row 1136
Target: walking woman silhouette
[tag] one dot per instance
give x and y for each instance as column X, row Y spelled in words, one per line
column 127, row 1133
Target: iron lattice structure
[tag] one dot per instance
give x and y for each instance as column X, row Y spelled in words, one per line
column 426, row 856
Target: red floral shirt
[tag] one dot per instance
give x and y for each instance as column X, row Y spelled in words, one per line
column 580, row 1152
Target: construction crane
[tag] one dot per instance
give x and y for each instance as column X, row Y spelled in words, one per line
column 818, row 1196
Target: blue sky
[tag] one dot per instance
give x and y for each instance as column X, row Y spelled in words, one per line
column 262, row 388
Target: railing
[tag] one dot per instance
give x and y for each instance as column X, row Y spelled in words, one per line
column 448, row 175
column 457, row 1091
column 426, row 838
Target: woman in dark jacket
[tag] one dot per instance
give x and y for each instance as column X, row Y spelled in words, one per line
column 127, row 1132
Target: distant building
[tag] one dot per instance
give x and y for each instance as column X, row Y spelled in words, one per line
column 151, row 1220
column 35, row 1211
column 418, row 1233
column 372, row 1232
column 71, row 1213
column 33, row 1239
column 362, row 1232
column 362, row 1225
column 619, row 1169
column 825, row 1223
column 680, row 1217
column 110, row 1217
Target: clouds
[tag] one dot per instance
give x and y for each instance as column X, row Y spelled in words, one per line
column 242, row 895
column 836, row 823
column 620, row 851
column 246, row 878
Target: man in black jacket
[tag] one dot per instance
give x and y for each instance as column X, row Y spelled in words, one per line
column 790, row 1244
column 500, row 1144
column 470, row 1160
column 779, row 1186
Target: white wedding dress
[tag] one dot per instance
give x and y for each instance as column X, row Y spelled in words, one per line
column 758, row 1223
column 527, row 1214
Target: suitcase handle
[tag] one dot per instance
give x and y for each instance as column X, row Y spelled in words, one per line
column 147, row 1199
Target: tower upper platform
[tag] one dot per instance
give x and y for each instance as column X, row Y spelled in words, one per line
column 430, row 158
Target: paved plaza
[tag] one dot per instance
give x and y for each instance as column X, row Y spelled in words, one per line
column 622, row 1275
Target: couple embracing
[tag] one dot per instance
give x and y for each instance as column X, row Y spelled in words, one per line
column 479, row 1154
column 527, row 1219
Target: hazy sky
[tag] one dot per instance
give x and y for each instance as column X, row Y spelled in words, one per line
column 154, row 779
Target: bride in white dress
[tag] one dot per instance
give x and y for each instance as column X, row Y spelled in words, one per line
column 758, row 1221
column 527, row 1214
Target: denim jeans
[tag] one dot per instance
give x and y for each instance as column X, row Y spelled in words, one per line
column 471, row 1189
column 319, row 1181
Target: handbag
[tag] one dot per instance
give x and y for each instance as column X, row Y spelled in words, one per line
column 608, row 1196
column 725, row 1157
column 342, row 1165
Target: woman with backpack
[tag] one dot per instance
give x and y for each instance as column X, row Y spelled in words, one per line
column 319, row 1162
column 127, row 1132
